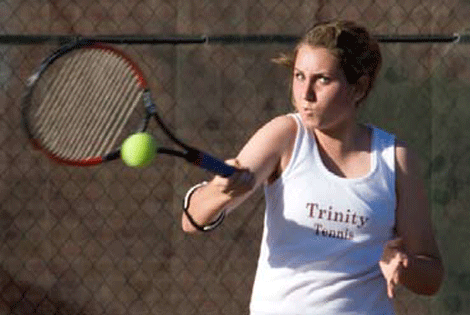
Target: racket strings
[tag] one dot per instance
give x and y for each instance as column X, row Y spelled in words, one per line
column 72, row 98
column 61, row 94
column 86, row 106
column 53, row 89
column 87, row 127
column 113, row 129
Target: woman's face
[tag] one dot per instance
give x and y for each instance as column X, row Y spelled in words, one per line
column 320, row 91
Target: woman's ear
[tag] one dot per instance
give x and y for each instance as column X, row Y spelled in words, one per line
column 361, row 89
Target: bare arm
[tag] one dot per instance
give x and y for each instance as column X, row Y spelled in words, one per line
column 421, row 269
column 259, row 159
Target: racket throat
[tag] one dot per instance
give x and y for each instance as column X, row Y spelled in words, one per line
column 195, row 157
column 191, row 155
column 173, row 153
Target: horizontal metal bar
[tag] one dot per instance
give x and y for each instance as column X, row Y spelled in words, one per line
column 27, row 39
column 19, row 39
column 252, row 39
column 420, row 38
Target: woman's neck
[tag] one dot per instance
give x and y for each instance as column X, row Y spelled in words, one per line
column 346, row 154
column 343, row 140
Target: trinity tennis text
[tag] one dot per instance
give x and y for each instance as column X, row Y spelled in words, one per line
column 352, row 220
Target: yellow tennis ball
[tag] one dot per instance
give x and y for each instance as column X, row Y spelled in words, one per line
column 138, row 150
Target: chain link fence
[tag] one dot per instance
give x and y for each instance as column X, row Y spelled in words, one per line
column 107, row 239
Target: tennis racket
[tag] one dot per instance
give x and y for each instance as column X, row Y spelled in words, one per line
column 86, row 98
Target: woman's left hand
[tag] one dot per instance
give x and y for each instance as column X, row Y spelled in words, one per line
column 394, row 260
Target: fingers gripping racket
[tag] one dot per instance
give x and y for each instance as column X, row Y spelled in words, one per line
column 86, row 98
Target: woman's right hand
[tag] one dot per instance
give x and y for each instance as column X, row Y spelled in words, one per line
column 239, row 183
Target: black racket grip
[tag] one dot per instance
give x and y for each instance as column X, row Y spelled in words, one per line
column 211, row 164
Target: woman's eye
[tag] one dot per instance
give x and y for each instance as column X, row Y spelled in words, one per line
column 299, row 76
column 325, row 80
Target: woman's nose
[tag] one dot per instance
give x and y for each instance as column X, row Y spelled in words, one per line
column 309, row 93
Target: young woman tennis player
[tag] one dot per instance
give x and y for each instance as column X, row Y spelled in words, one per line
column 347, row 217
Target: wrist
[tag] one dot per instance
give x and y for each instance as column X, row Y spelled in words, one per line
column 201, row 227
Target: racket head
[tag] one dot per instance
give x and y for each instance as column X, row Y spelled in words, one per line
column 82, row 102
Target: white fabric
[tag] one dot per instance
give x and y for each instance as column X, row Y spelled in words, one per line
column 324, row 235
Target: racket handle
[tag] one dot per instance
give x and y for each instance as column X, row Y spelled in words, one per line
column 212, row 164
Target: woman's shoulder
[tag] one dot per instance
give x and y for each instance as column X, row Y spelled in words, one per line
column 407, row 159
column 283, row 123
column 281, row 129
column 268, row 147
column 286, row 128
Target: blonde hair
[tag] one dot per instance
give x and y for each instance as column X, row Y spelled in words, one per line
column 358, row 52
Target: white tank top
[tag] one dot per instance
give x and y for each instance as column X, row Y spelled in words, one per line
column 324, row 235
